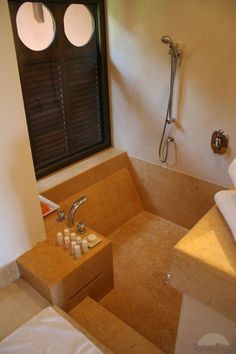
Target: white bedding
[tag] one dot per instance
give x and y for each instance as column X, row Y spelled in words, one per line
column 47, row 333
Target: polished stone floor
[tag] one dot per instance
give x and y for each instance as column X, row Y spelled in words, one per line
column 142, row 255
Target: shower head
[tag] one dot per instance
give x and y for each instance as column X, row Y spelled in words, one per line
column 173, row 46
column 167, row 40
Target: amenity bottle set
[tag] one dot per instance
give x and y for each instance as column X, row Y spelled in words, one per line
column 75, row 243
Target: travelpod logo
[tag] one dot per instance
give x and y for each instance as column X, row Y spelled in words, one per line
column 214, row 343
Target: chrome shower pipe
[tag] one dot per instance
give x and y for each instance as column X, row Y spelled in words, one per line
column 175, row 53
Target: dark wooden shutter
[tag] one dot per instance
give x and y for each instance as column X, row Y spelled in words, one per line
column 84, row 101
column 65, row 92
column 44, row 101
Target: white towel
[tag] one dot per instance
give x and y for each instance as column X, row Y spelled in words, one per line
column 232, row 171
column 47, row 332
column 226, row 202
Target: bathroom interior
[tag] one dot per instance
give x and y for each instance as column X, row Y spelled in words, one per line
column 118, row 176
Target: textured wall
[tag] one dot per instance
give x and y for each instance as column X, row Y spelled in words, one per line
column 198, row 320
column 139, row 80
column 21, row 224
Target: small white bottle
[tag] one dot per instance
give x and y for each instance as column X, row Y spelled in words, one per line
column 78, row 240
column 77, row 251
column 73, row 236
column 67, row 242
column 66, row 232
column 85, row 248
column 60, row 240
column 73, row 244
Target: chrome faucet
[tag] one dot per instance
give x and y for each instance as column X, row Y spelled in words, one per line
column 73, row 209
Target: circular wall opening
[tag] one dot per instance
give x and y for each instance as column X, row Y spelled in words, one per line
column 78, row 24
column 35, row 25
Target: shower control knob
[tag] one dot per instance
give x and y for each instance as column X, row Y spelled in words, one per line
column 81, row 227
column 219, row 141
column 61, row 216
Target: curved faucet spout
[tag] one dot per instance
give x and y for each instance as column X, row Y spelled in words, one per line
column 73, row 210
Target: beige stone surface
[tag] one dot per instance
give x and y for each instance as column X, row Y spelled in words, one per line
column 204, row 264
column 111, row 202
column 44, row 259
column 18, row 303
column 55, row 179
column 8, row 274
column 62, row 184
column 64, row 280
column 172, row 195
column 142, row 251
column 158, row 187
column 74, row 323
column 108, row 329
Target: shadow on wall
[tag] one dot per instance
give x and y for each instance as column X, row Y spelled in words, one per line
column 26, row 211
column 122, row 12
column 132, row 88
column 131, row 96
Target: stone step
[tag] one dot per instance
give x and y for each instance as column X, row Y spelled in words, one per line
column 110, row 330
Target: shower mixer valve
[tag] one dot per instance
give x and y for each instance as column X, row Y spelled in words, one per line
column 219, row 141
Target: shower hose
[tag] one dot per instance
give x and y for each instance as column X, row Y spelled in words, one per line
column 165, row 141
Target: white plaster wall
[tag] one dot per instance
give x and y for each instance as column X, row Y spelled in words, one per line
column 139, row 70
column 198, row 320
column 21, row 224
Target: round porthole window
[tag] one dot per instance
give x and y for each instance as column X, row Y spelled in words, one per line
column 35, row 25
column 78, row 24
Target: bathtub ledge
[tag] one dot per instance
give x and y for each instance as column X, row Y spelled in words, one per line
column 204, row 264
column 65, row 174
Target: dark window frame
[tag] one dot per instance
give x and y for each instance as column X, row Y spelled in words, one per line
column 103, row 80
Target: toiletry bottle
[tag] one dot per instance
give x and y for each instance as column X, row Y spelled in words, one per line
column 73, row 243
column 79, row 241
column 73, row 236
column 85, row 248
column 60, row 240
column 66, row 232
column 67, row 242
column 77, row 251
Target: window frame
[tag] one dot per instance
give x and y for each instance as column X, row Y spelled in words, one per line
column 103, row 82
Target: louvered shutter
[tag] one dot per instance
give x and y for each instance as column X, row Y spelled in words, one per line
column 65, row 92
column 84, row 102
column 42, row 85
